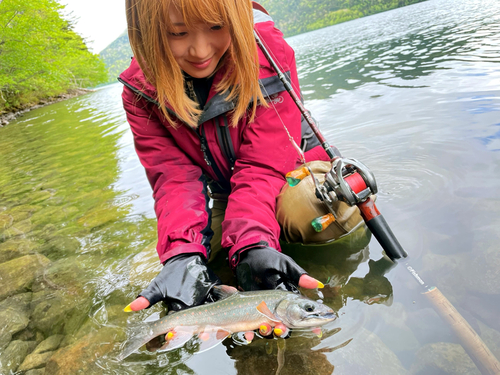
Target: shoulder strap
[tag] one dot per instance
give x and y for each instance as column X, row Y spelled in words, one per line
column 225, row 141
column 259, row 7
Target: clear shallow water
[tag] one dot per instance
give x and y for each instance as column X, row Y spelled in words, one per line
column 413, row 93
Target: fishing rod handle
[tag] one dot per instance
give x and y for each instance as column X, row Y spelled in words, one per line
column 475, row 347
column 381, row 230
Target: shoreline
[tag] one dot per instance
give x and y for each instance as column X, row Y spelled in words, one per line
column 7, row 118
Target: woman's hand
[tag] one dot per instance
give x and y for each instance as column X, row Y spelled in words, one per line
column 185, row 281
column 266, row 268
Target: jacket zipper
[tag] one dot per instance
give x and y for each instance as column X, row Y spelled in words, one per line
column 207, row 155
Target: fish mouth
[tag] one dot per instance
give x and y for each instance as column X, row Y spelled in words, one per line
column 328, row 316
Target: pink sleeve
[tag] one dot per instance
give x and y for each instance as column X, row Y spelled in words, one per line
column 179, row 187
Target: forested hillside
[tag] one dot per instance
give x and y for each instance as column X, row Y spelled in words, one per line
column 291, row 16
column 298, row 16
column 40, row 55
column 117, row 56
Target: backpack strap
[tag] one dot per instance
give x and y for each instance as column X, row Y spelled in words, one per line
column 257, row 6
column 225, row 141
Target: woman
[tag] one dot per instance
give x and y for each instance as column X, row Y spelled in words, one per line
column 208, row 114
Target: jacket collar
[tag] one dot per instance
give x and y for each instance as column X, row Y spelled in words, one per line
column 216, row 105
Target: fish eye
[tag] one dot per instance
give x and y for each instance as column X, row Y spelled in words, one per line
column 309, row 307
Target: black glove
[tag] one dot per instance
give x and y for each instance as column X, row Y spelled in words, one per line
column 267, row 268
column 185, row 281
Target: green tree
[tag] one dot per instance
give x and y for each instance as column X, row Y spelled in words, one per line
column 40, row 54
column 117, row 56
column 297, row 16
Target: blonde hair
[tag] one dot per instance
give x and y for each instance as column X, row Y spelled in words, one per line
column 148, row 24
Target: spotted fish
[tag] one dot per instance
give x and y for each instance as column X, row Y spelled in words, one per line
column 234, row 312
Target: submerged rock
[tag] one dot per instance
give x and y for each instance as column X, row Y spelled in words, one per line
column 50, row 344
column 17, row 275
column 5, row 339
column 35, row 361
column 15, row 248
column 57, row 312
column 15, row 313
column 13, row 356
column 62, row 297
column 5, row 221
column 35, row 372
column 443, row 358
column 22, row 212
column 81, row 357
column 58, row 247
column 18, row 229
column 65, row 275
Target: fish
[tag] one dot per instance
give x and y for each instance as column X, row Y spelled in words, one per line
column 234, row 312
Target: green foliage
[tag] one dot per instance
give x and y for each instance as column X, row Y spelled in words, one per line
column 117, row 56
column 298, row 16
column 40, row 54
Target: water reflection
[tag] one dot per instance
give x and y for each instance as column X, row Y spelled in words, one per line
column 290, row 356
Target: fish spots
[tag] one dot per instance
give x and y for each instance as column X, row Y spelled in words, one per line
column 204, row 336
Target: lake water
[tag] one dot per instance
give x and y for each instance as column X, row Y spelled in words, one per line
column 414, row 93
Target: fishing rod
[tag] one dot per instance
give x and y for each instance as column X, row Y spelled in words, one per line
column 352, row 182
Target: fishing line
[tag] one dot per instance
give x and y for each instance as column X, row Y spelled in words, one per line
column 297, row 148
column 290, row 138
column 276, row 61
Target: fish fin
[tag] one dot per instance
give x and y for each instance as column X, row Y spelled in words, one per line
column 223, row 291
column 211, row 337
column 181, row 336
column 264, row 310
column 138, row 336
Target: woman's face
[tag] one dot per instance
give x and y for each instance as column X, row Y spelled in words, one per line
column 198, row 49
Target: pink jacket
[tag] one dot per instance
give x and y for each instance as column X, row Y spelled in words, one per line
column 178, row 161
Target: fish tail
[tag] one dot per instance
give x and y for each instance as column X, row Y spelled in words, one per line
column 138, row 336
